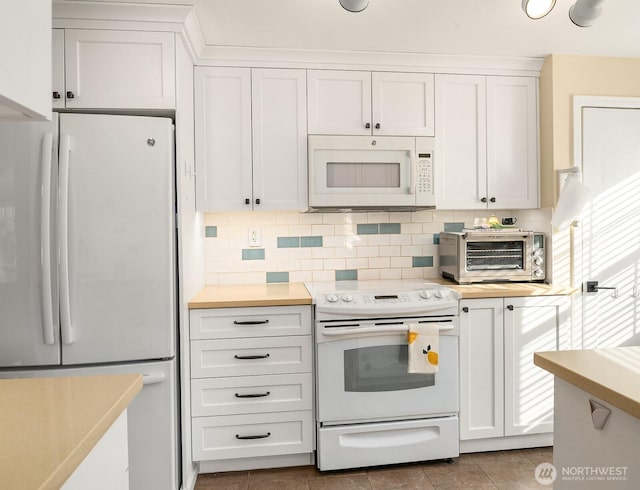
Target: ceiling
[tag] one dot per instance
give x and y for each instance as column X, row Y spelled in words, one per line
column 463, row 27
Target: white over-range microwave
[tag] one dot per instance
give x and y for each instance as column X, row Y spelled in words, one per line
column 370, row 172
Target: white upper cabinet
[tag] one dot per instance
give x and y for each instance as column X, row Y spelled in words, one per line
column 25, row 51
column 251, row 142
column 96, row 69
column 364, row 103
column 486, row 142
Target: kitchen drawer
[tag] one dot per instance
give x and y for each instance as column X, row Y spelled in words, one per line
column 246, row 436
column 233, row 323
column 251, row 394
column 246, row 357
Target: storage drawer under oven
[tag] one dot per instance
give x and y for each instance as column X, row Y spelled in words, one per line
column 254, row 356
column 247, row 436
column 251, row 394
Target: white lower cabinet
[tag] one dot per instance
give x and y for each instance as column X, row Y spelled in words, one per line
column 251, row 396
column 502, row 393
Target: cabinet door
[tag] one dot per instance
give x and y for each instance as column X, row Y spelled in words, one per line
column 481, row 369
column 531, row 325
column 223, row 138
column 57, row 69
column 279, row 126
column 119, row 69
column 402, row 104
column 512, row 142
column 339, row 102
column 460, row 162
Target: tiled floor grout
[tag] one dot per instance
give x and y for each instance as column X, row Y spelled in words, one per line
column 491, row 470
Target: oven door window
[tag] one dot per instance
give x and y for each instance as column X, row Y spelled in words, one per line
column 381, row 368
column 496, row 255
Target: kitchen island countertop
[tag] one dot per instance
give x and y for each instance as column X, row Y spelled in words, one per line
column 611, row 374
column 49, row 425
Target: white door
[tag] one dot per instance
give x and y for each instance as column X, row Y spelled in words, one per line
column 29, row 327
column 512, row 142
column 117, row 233
column 461, row 142
column 531, row 325
column 223, row 138
column 402, row 104
column 481, row 368
column 610, row 226
column 339, row 102
column 279, row 131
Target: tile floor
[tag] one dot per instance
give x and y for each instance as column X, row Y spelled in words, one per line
column 500, row 469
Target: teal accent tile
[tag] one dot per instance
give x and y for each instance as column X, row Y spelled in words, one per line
column 453, row 226
column 347, row 275
column 423, row 261
column 288, row 241
column 311, row 241
column 253, row 254
column 390, row 228
column 277, row 277
column 368, row 229
column 210, row 231
column 436, row 238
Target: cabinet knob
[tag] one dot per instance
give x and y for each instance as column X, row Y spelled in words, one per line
column 493, row 199
column 510, row 307
column 70, row 95
column 377, row 125
column 367, row 125
column 56, row 95
column 247, row 201
column 258, row 201
column 465, row 309
column 484, row 199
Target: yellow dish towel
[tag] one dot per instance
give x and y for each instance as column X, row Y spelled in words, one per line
column 423, row 341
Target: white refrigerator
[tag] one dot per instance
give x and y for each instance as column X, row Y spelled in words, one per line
column 88, row 266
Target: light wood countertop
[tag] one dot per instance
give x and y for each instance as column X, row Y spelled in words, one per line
column 280, row 294
column 509, row 290
column 612, row 374
column 49, row 425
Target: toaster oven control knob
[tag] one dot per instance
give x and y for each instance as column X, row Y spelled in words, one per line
column 537, row 272
column 332, row 298
column 442, row 293
column 347, row 298
column 538, row 261
column 424, row 294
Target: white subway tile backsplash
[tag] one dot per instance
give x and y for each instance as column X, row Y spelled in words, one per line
column 326, row 246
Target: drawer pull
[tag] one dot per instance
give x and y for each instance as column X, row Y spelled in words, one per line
column 251, row 357
column 261, row 436
column 251, row 322
column 253, row 395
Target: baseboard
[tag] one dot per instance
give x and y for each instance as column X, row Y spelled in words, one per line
column 257, row 463
column 505, row 443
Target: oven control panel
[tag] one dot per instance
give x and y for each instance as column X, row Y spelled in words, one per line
column 383, row 302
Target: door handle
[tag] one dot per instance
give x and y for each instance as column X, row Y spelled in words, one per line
column 592, row 287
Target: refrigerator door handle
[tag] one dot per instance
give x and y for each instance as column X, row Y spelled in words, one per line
column 45, row 239
column 63, row 237
column 152, row 379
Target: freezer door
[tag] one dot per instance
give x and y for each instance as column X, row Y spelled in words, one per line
column 151, row 418
column 117, row 238
column 29, row 329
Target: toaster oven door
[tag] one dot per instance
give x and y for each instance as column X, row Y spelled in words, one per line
column 497, row 258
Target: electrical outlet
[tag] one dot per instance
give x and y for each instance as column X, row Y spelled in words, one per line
column 254, row 237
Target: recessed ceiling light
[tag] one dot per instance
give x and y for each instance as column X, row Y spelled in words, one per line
column 583, row 13
column 537, row 9
column 354, row 5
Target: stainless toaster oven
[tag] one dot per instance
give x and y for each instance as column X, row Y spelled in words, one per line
column 492, row 256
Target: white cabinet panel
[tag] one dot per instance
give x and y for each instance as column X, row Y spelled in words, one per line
column 251, row 394
column 57, row 70
column 119, row 69
column 246, row 436
column 251, row 145
column 246, row 357
column 486, row 142
column 481, row 369
column 233, row 323
column 339, row 102
column 403, row 104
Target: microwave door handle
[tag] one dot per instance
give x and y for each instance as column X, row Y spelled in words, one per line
column 412, row 173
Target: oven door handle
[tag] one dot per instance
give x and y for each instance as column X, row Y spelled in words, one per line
column 391, row 329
